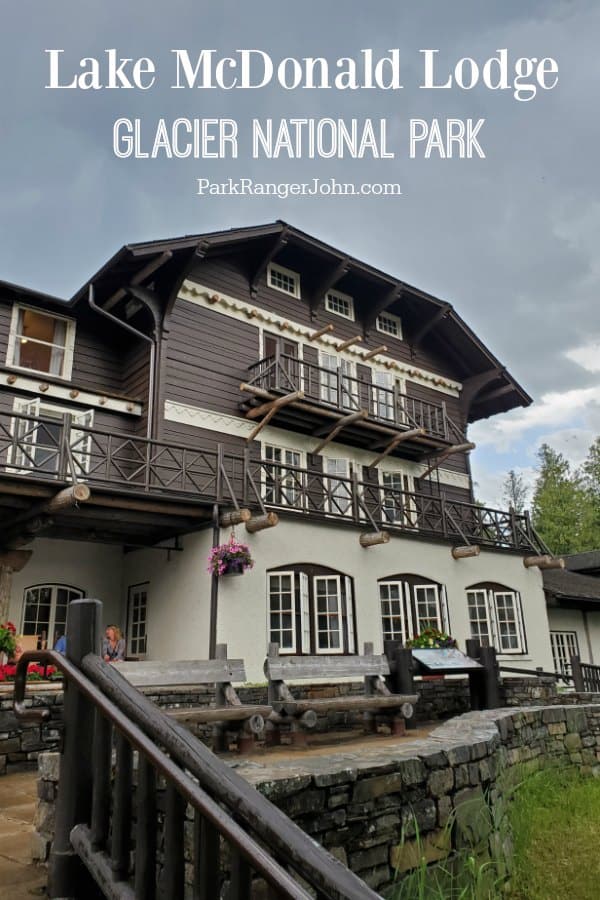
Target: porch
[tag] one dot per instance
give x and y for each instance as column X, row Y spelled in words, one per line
column 145, row 491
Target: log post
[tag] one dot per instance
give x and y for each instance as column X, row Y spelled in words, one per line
column 372, row 353
column 69, row 496
column 357, row 339
column 317, row 334
column 487, row 658
column 10, row 561
column 578, row 682
column 543, row 562
column 371, row 538
column 235, row 517
column 259, row 523
column 466, row 552
column 67, row 876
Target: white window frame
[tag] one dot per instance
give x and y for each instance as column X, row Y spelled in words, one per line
column 68, row 349
column 565, row 644
column 397, row 322
column 403, row 635
column 328, row 379
column 289, row 273
column 383, row 401
column 340, row 630
column 291, row 648
column 439, row 624
column 495, row 637
column 282, row 488
column 331, row 297
column 38, row 408
column 406, row 517
column 475, row 624
column 333, row 481
column 54, row 588
column 133, row 643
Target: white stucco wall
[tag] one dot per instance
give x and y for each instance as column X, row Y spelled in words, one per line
column 179, row 591
column 585, row 625
column 93, row 568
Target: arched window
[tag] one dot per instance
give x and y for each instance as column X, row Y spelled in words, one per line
column 410, row 603
column 310, row 610
column 45, row 610
column 496, row 616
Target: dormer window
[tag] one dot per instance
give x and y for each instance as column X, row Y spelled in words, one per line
column 389, row 324
column 340, row 304
column 283, row 280
column 41, row 342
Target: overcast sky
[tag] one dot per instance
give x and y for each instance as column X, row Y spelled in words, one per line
column 511, row 240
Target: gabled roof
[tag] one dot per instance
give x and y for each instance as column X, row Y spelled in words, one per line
column 586, row 563
column 569, row 587
column 451, row 333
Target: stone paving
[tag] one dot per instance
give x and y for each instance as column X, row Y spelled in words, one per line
column 19, row 879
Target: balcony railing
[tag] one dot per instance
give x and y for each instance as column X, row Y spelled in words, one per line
column 344, row 392
column 56, row 451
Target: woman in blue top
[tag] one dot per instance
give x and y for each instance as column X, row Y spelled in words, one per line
column 113, row 645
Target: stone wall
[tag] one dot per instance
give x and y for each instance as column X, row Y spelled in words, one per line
column 22, row 742
column 359, row 805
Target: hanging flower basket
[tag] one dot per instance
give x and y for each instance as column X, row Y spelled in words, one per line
column 232, row 558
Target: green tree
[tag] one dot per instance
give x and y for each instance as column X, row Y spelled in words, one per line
column 560, row 503
column 514, row 491
column 590, row 470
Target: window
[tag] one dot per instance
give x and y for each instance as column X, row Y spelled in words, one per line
column 398, row 506
column 340, row 304
column 310, row 610
column 283, row 485
column 38, row 432
column 383, row 396
column 410, row 604
column 283, row 280
column 137, row 617
column 45, row 610
column 329, row 377
column 496, row 617
column 41, row 342
column 389, row 324
column 338, row 492
column 564, row 646
column 392, row 612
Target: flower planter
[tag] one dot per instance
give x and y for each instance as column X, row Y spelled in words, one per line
column 234, row 567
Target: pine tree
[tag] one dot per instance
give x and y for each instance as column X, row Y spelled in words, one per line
column 558, row 503
column 514, row 491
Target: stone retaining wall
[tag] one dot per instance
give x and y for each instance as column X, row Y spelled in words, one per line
column 21, row 743
column 439, row 698
column 359, row 804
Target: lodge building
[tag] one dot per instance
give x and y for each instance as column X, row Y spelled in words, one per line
column 255, row 369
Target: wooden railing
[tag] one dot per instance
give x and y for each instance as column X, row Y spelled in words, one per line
column 344, row 392
column 586, row 677
column 126, row 833
column 56, row 450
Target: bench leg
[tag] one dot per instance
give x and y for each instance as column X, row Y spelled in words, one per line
column 245, row 742
column 299, row 737
column 272, row 735
column 398, row 726
column 370, row 723
column 220, row 744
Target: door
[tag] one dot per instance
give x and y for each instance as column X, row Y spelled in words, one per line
column 285, row 375
column 338, row 491
column 137, row 619
column 383, row 396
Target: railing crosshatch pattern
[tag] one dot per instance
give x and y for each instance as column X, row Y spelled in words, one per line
column 339, row 389
column 56, row 450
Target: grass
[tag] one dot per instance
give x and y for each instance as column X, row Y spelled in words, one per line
column 555, row 822
column 551, row 829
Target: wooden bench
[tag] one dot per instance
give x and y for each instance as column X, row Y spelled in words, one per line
column 229, row 713
column 302, row 713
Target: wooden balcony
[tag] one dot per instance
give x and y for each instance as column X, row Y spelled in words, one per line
column 144, row 491
column 371, row 416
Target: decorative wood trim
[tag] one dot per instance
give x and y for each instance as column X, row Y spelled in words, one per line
column 33, row 385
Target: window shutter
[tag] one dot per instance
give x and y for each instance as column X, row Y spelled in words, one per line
column 444, row 610
column 304, row 613
column 349, row 615
column 520, row 622
column 493, row 620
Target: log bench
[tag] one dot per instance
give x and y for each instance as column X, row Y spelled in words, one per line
column 302, row 714
column 229, row 715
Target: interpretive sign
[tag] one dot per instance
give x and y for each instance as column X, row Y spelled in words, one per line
column 445, row 658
